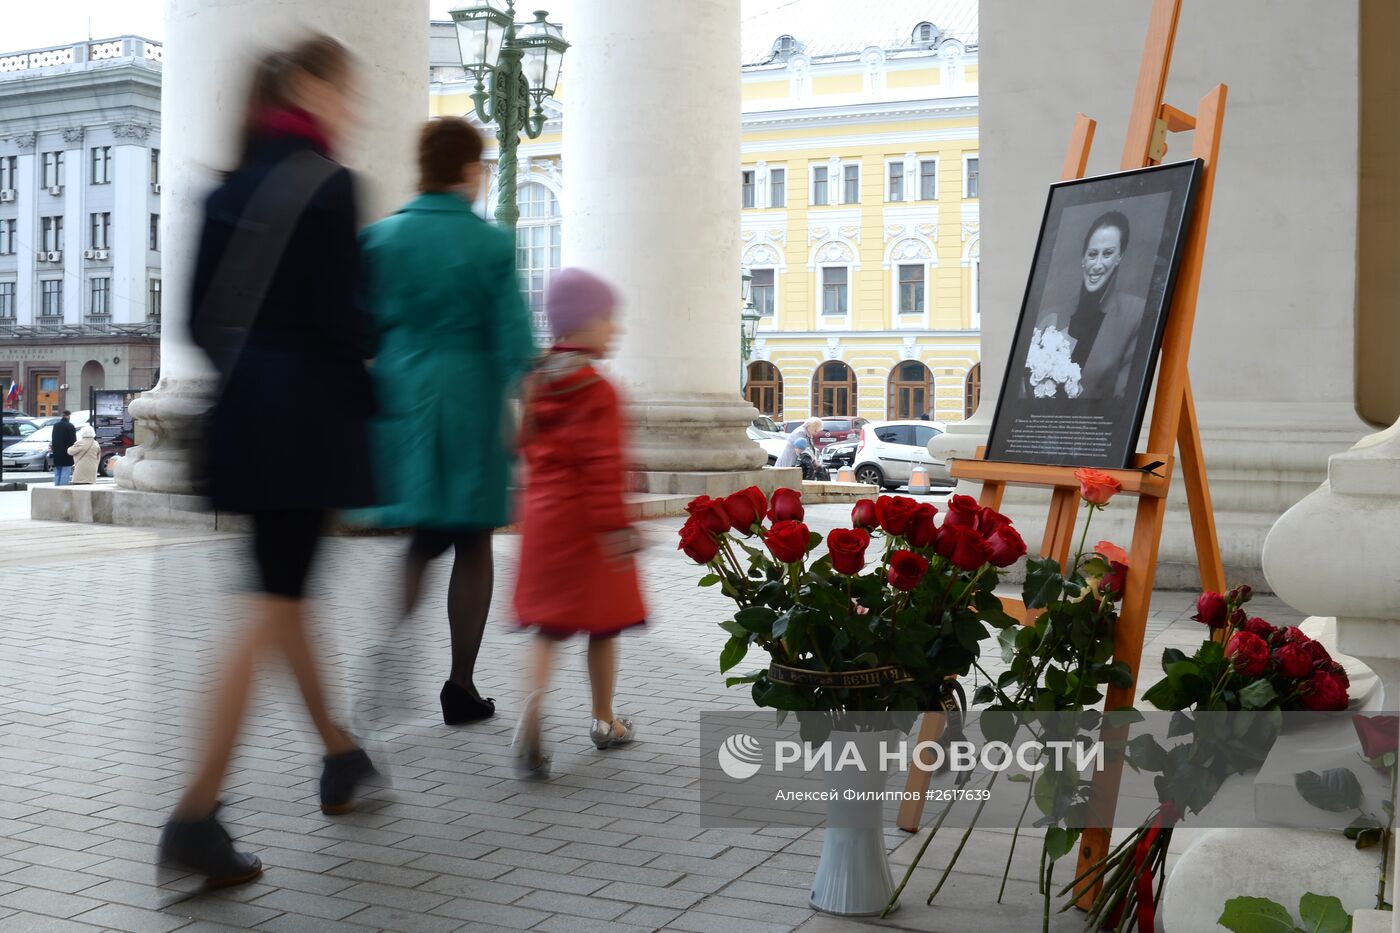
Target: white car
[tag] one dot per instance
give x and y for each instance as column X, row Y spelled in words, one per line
column 766, row 433
column 889, row 449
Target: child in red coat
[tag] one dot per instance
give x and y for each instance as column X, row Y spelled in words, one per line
column 577, row 573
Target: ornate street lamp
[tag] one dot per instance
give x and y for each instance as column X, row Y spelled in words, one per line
column 516, row 66
column 748, row 326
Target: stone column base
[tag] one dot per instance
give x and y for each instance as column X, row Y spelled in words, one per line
column 713, row 484
column 173, row 414
column 109, row 505
column 699, row 433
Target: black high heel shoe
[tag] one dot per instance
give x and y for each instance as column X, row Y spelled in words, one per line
column 460, row 705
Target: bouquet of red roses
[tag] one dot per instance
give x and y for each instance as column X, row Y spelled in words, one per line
column 844, row 631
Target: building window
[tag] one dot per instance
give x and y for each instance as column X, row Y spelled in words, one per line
column 820, row 185
column 972, row 179
column 53, row 169
column 7, row 236
column 155, row 166
column 155, row 232
column 101, row 231
column 976, row 297
column 765, row 388
column 851, row 190
column 746, row 186
column 761, row 291
column 101, row 165
column 153, row 300
column 777, row 187
column 834, row 391
column 100, row 303
column 53, row 234
column 51, row 298
column 911, row 389
column 9, row 169
column 928, row 179
column 834, row 290
column 537, row 246
column 7, row 301
column 972, row 391
column 911, row 289
column 896, row 183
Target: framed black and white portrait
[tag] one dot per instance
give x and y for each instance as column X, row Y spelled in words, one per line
column 1091, row 322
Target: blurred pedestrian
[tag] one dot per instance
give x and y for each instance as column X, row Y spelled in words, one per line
column 454, row 341
column 577, row 573
column 806, row 431
column 64, row 435
column 86, row 454
column 273, row 305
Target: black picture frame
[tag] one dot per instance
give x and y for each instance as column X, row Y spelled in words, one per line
column 1090, row 329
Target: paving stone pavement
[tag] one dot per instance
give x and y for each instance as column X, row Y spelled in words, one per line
column 108, row 642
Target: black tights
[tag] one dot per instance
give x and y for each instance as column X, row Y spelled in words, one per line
column 468, row 592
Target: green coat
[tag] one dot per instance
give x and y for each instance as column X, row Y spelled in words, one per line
column 454, row 341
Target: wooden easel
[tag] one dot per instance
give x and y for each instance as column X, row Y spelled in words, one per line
column 1173, row 415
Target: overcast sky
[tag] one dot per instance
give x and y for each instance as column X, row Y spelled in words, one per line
column 28, row 25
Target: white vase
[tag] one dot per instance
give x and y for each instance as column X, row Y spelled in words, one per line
column 853, row 878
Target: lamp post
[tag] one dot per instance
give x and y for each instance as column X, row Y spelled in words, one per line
column 516, row 66
column 749, row 317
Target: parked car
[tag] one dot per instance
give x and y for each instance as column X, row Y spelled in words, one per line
column 765, row 423
column 772, row 442
column 839, row 454
column 79, row 418
column 889, row 449
column 31, row 453
column 16, row 429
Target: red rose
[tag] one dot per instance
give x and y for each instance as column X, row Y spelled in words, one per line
column 895, row 513
column 847, row 548
column 709, row 514
column 1116, row 580
column 786, row 506
column 745, row 509
column 1005, row 546
column 1095, row 486
column 1325, row 693
column 1339, row 672
column 921, row 531
column 1111, row 552
column 1248, row 653
column 788, row 541
column 1238, row 618
column 1293, row 635
column 1241, row 594
column 1378, row 734
column 699, row 545
column 963, row 511
column 964, row 547
column 1210, row 610
column 989, row 520
column 906, row 570
column 1321, row 659
column 1261, row 627
column 863, row 515
column 1293, row 660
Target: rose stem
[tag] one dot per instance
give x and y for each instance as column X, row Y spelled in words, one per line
column 1030, row 794
column 918, row 858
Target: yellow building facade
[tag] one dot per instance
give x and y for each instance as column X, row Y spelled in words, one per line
column 858, row 190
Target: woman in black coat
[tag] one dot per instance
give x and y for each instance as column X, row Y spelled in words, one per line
column 273, row 307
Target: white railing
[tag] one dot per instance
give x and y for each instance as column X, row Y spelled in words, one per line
column 103, row 50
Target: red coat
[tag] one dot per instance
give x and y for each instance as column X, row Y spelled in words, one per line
column 572, row 440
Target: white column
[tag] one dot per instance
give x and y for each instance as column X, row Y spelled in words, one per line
column 652, row 205
column 210, row 46
column 1272, row 356
column 27, row 231
column 130, row 232
column 75, row 238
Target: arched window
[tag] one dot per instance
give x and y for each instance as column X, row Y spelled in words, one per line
column 911, row 391
column 785, row 46
column 834, row 391
column 972, row 393
column 765, row 388
column 925, row 34
column 537, row 245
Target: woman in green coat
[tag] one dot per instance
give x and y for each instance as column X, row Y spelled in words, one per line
column 454, row 342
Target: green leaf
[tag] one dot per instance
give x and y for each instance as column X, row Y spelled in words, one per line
column 1256, row 915
column 969, row 632
column 746, row 679
column 813, row 540
column 1259, row 695
column 984, row 694
column 1162, row 696
column 1323, row 914
column 1181, row 724
column 1059, row 842
column 1119, row 674
column 734, row 628
column 1334, row 790
column 1043, row 582
column 733, row 653
column 1145, row 754
column 757, row 619
column 709, row 579
column 1171, row 656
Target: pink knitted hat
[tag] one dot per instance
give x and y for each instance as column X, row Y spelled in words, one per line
column 575, row 299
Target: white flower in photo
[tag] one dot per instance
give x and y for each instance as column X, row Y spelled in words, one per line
column 1050, row 365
